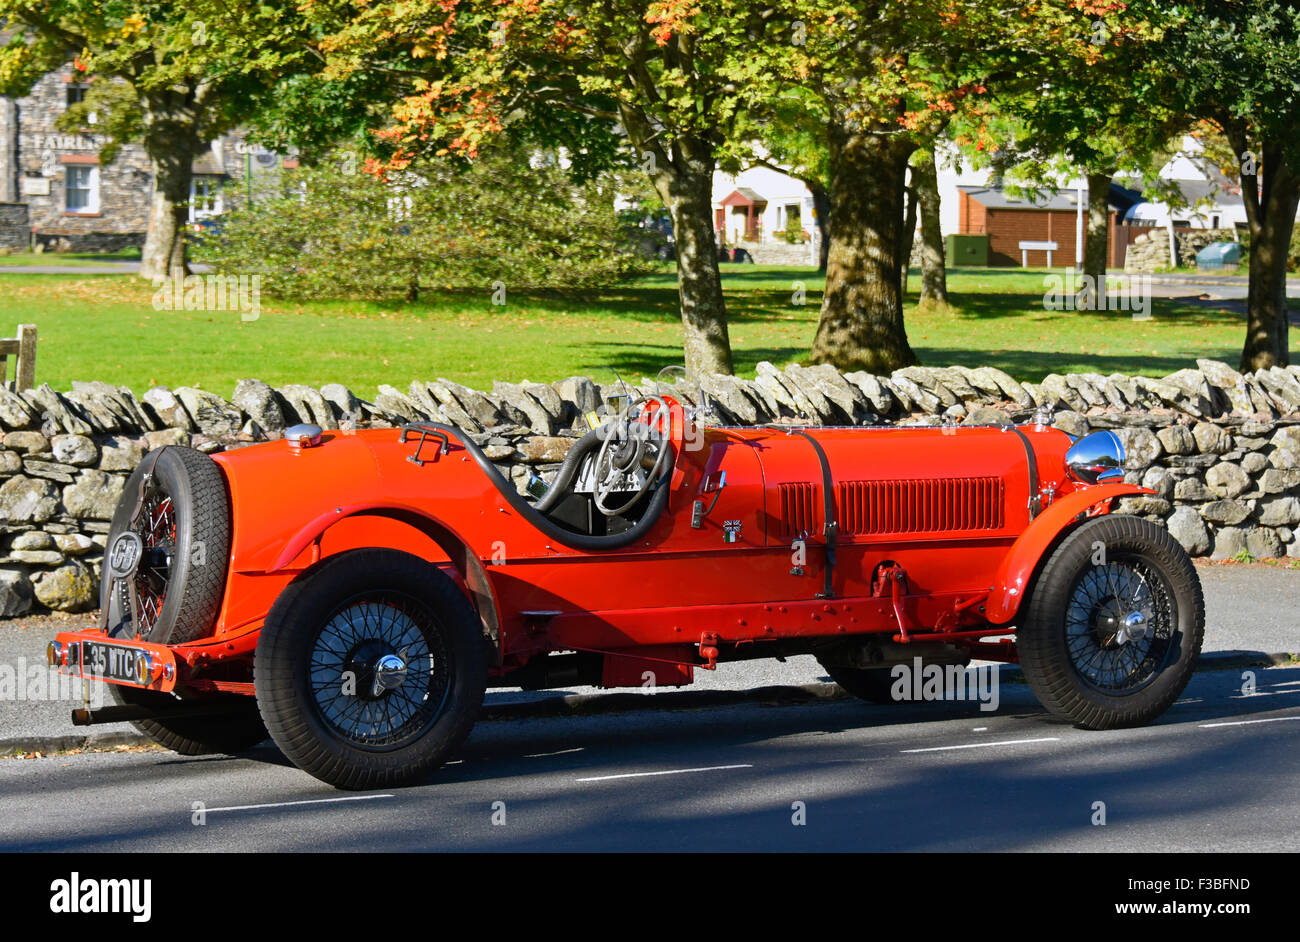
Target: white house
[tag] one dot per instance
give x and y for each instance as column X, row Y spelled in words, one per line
column 1215, row 200
column 757, row 204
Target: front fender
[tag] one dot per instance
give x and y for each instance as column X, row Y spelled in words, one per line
column 1008, row 589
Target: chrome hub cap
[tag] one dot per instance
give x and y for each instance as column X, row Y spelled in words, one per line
column 1135, row 629
column 390, row 672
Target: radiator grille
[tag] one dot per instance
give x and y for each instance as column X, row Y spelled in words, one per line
column 926, row 506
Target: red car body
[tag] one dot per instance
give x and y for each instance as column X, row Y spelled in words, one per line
column 949, row 506
column 758, row 542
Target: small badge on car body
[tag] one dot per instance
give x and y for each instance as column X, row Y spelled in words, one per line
column 730, row 531
column 125, row 555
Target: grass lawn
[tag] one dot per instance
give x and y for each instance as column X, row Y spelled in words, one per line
column 104, row 327
column 73, row 259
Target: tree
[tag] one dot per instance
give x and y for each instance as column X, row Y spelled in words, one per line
column 1238, row 65
column 882, row 72
column 503, row 221
column 1089, row 118
column 667, row 76
column 193, row 70
column 790, row 133
column 934, row 271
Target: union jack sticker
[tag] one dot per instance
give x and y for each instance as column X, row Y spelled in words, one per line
column 730, row 531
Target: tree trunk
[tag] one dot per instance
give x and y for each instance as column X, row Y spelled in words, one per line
column 689, row 197
column 170, row 140
column 1267, row 316
column 861, row 324
column 908, row 237
column 934, row 271
column 822, row 208
column 1271, row 216
column 1096, row 241
column 682, row 174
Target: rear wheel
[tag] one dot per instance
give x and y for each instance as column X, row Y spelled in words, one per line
column 1113, row 625
column 370, row 670
column 872, row 684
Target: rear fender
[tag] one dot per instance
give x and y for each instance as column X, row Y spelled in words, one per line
column 1023, row 559
column 456, row 547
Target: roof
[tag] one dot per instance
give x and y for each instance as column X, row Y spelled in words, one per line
column 206, row 164
column 1063, row 200
column 744, row 196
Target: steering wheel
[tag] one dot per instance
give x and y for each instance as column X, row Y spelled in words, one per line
column 638, row 444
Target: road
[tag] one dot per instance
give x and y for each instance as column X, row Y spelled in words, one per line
column 1248, row 608
column 1218, row 772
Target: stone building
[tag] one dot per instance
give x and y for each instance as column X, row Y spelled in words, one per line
column 55, row 190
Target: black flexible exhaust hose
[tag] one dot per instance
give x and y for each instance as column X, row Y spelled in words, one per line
column 566, row 537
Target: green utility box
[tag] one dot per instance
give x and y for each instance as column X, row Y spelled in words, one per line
column 964, row 248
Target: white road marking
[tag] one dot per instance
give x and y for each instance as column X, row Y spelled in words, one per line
column 562, row 752
column 1274, row 719
column 982, row 745
column 980, row 729
column 708, row 768
column 286, row 804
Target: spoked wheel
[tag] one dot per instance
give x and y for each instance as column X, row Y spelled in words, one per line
column 370, row 670
column 1119, row 625
column 1113, row 626
column 395, row 669
column 182, row 537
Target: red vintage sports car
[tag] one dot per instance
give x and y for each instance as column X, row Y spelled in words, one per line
column 354, row 593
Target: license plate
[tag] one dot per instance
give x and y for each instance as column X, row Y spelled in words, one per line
column 110, row 662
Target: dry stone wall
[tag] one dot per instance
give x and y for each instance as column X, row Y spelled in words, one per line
column 1221, row 450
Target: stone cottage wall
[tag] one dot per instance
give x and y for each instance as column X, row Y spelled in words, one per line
column 1221, row 450
column 14, row 230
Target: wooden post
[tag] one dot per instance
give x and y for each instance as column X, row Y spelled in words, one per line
column 25, row 373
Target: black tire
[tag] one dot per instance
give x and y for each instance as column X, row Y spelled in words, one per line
column 871, row 684
column 332, row 619
column 187, row 524
column 196, row 735
column 1072, row 644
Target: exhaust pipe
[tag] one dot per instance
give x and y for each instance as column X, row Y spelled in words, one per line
column 127, row 712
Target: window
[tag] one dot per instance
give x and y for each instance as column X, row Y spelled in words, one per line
column 205, row 197
column 76, row 94
column 82, row 186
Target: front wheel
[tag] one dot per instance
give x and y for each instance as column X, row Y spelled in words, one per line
column 1113, row 625
column 370, row 670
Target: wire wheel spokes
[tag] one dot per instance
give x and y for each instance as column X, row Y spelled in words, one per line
column 379, row 673
column 1119, row 625
column 156, row 527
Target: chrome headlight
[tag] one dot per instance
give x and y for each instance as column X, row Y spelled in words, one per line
column 1096, row 458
